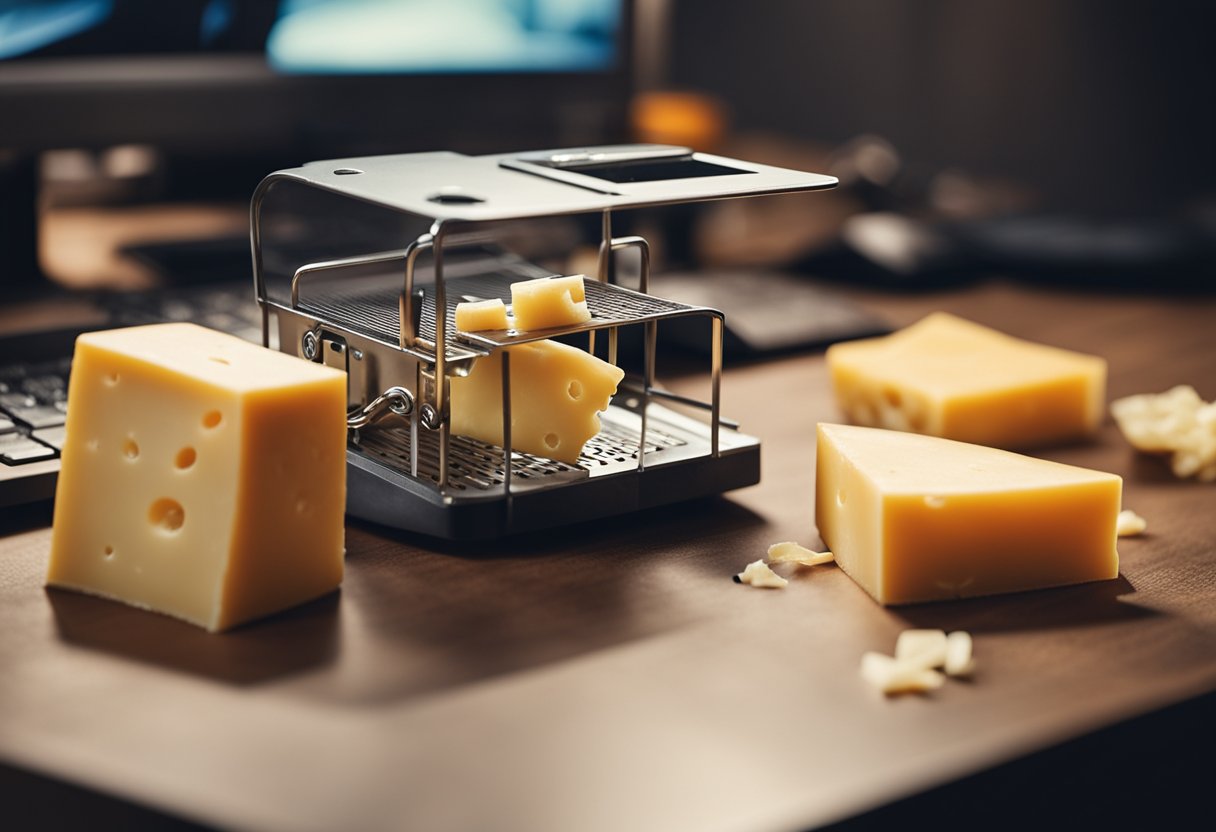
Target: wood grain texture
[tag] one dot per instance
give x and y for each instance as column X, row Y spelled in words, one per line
column 611, row 675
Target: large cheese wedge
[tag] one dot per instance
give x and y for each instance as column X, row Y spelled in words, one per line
column 945, row 376
column 918, row 518
column 549, row 302
column 557, row 392
column 203, row 476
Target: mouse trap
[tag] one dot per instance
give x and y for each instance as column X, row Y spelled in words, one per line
column 381, row 307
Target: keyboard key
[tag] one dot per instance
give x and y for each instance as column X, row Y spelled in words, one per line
column 16, row 448
column 7, row 425
column 52, row 436
column 32, row 452
column 9, row 401
column 44, row 388
column 38, row 416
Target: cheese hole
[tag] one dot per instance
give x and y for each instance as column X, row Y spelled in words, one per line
column 92, row 445
column 111, row 379
column 840, row 498
column 935, row 502
column 166, row 514
column 575, row 390
column 212, row 418
column 552, row 441
column 892, row 396
column 223, row 361
column 185, row 458
column 130, row 449
column 108, row 551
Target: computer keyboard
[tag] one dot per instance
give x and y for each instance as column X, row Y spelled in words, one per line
column 33, row 404
column 34, row 381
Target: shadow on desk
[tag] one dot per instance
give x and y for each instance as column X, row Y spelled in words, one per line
column 421, row 616
column 289, row 643
column 1098, row 602
column 415, row 617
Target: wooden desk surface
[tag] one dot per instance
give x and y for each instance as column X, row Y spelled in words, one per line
column 612, row 676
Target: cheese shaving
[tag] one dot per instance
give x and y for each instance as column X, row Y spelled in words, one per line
column 790, row 552
column 892, row 676
column 1177, row 422
column 958, row 654
column 926, row 648
column 1128, row 523
column 758, row 574
column 918, row 655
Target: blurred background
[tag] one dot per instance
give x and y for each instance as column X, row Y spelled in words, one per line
column 1064, row 142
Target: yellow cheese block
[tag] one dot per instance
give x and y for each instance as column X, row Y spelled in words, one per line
column 918, row 518
column 478, row 316
column 203, row 476
column 945, row 376
column 557, row 392
column 549, row 302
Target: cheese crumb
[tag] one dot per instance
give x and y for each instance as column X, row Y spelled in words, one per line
column 1178, row 422
column 926, row 648
column 894, row 676
column 958, row 654
column 790, row 552
column 758, row 574
column 918, row 655
column 1129, row 523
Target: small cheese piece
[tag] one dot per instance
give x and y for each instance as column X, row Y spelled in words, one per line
column 202, row 476
column 958, row 654
column 557, row 392
column 548, row 302
column 894, row 676
column 926, row 648
column 481, row 315
column 918, row 518
column 945, row 376
column 757, row 573
column 1128, row 523
column 1177, row 422
column 790, row 552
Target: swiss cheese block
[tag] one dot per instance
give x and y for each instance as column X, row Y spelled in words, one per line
column 480, row 315
column 202, row 476
column 918, row 518
column 557, row 392
column 945, row 376
column 549, row 302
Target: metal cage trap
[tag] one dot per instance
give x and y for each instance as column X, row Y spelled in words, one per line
column 387, row 319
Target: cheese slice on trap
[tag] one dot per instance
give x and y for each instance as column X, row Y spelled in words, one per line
column 202, row 476
column 557, row 392
column 949, row 377
column 918, row 518
column 549, row 302
column 481, row 315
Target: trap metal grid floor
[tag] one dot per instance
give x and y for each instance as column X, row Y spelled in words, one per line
column 476, row 466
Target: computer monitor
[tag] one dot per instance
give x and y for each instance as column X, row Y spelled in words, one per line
column 295, row 80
